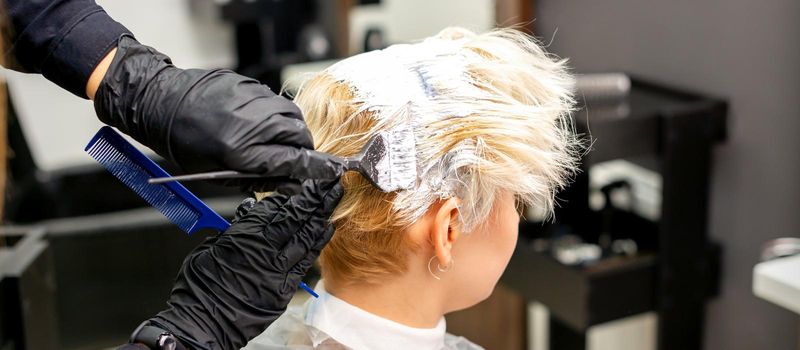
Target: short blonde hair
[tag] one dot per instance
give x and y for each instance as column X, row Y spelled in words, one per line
column 498, row 121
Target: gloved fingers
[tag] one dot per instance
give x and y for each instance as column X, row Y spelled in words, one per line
column 320, row 195
column 278, row 216
column 281, row 129
column 297, row 163
column 244, row 208
column 317, row 231
column 300, row 269
column 303, row 259
column 290, row 226
column 297, row 272
column 268, row 214
column 258, row 100
column 289, row 188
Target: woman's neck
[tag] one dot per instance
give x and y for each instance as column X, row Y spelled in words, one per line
column 407, row 300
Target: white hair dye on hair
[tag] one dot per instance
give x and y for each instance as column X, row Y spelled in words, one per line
column 429, row 84
column 408, row 78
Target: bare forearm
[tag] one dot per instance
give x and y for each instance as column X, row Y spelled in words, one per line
column 98, row 73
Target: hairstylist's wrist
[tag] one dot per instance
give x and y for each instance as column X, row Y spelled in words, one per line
column 98, row 73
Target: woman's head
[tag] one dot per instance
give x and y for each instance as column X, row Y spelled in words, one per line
column 489, row 118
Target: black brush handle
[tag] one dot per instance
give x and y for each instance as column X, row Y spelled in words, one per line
column 350, row 164
column 214, row 175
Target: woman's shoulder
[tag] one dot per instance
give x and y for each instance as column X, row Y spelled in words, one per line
column 457, row 342
column 287, row 332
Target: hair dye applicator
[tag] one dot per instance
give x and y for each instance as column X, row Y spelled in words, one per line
column 388, row 161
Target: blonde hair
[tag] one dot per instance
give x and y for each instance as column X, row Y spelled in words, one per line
column 489, row 114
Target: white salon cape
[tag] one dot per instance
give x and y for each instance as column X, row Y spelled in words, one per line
column 330, row 323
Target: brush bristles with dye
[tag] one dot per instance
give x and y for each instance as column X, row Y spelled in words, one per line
column 402, row 160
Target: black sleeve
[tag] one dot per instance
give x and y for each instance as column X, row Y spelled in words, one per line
column 61, row 39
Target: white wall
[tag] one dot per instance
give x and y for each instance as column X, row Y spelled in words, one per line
column 409, row 20
column 417, row 19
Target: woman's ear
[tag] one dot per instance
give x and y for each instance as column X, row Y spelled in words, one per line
column 445, row 230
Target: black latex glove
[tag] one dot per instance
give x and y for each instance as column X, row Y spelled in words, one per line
column 208, row 119
column 236, row 284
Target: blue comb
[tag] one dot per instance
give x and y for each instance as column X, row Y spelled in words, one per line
column 173, row 200
column 133, row 168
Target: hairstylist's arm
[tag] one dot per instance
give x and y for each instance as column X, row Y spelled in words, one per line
column 236, row 284
column 201, row 119
column 207, row 119
column 98, row 73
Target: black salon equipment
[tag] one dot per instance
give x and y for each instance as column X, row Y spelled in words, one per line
column 668, row 266
column 271, row 34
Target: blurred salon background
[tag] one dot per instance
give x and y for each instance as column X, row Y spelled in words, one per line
column 681, row 232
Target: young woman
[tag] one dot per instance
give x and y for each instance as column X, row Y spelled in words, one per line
column 489, row 114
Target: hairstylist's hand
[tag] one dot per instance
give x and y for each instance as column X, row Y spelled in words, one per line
column 208, row 119
column 236, row 284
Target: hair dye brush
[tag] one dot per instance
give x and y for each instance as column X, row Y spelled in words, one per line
column 388, row 161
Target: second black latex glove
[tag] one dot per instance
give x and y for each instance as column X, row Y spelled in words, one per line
column 236, row 284
column 208, row 119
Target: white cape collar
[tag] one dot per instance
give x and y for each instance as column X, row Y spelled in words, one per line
column 331, row 318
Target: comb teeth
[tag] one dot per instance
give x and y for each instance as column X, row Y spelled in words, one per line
column 108, row 154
